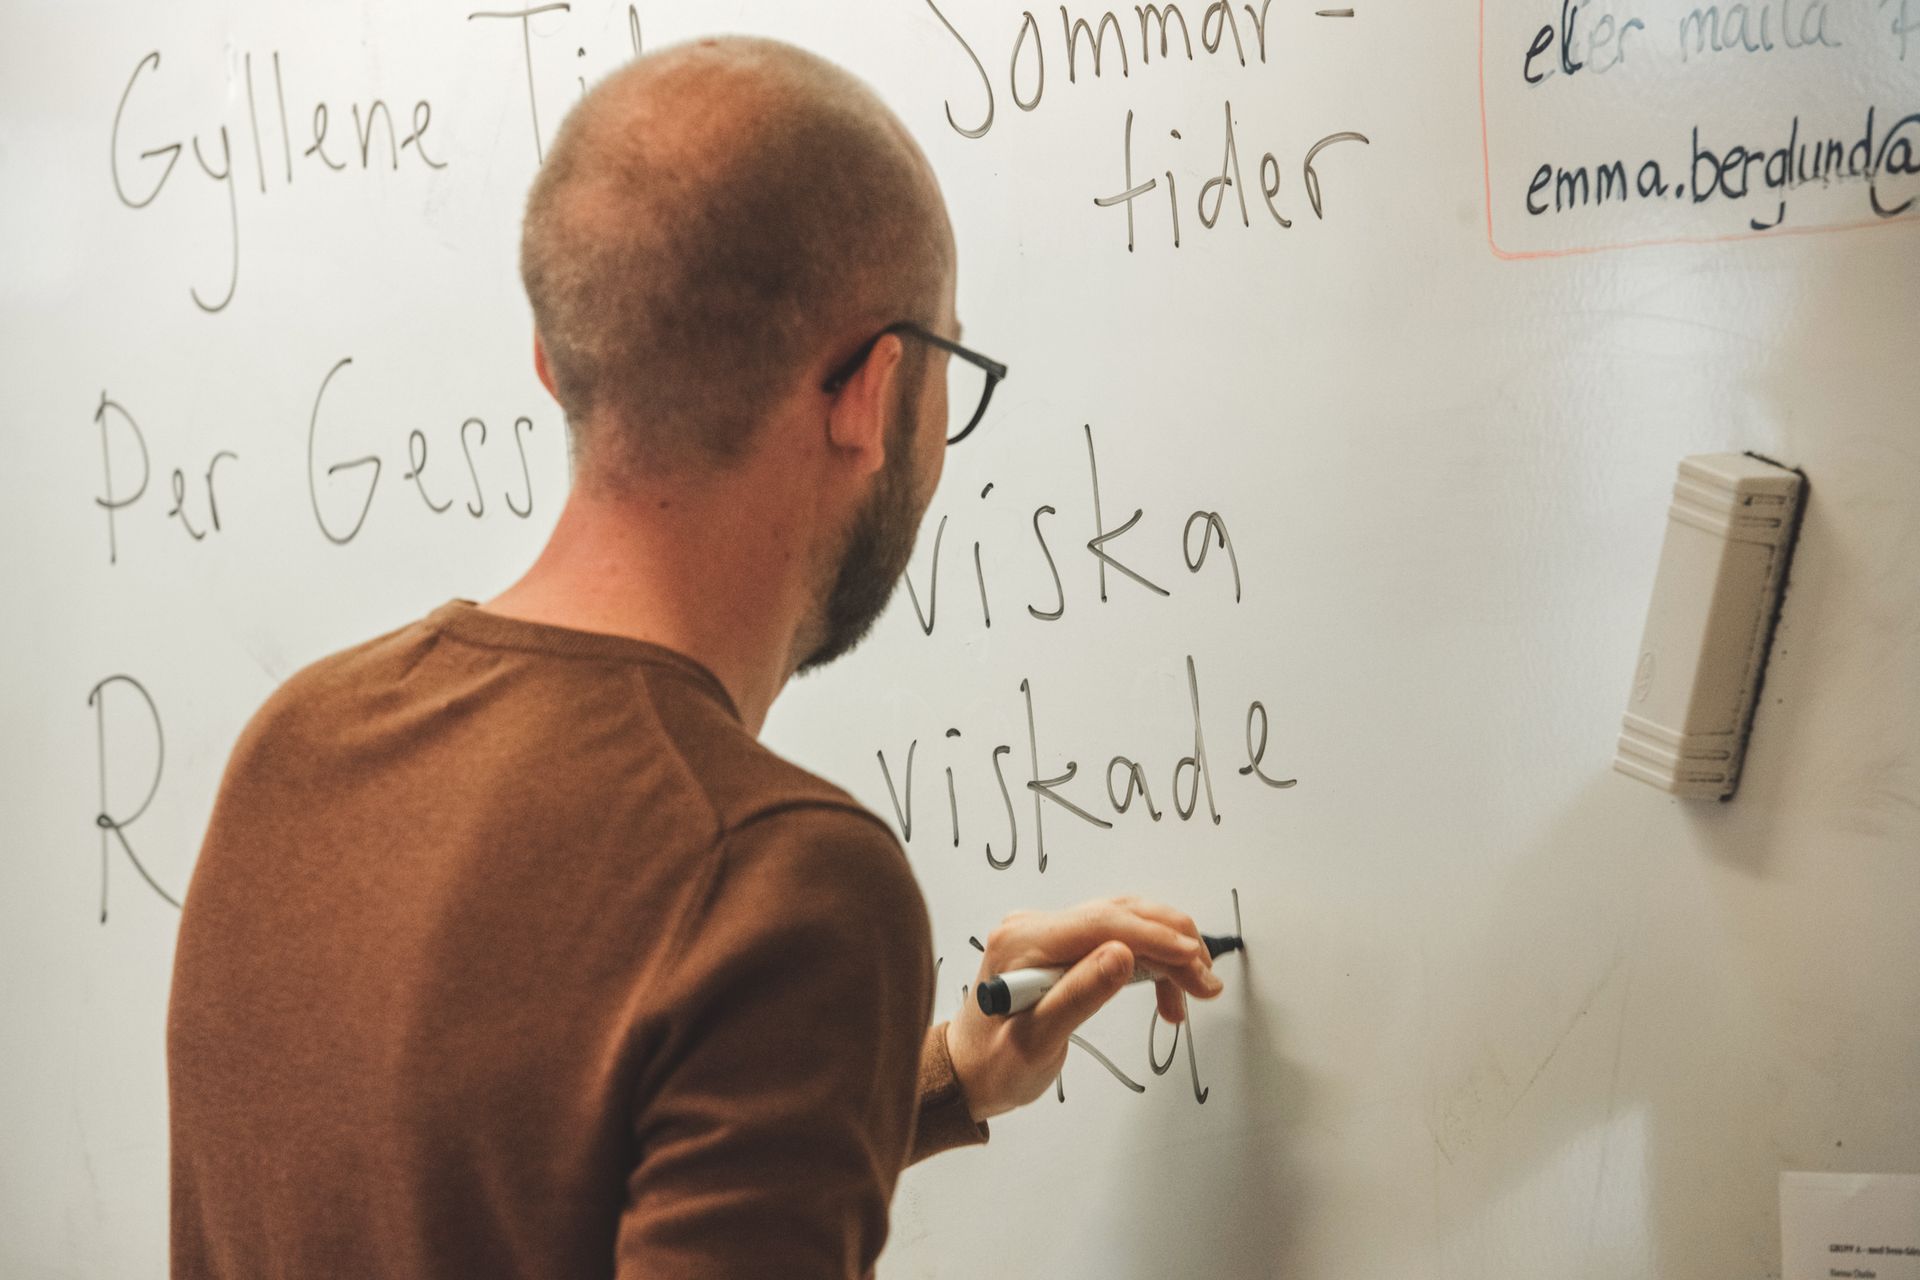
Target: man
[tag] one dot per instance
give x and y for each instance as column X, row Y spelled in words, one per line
column 510, row 950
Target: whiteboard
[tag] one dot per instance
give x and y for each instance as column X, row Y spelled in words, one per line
column 1502, row 1012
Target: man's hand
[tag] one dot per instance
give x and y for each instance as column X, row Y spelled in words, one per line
column 1007, row 1062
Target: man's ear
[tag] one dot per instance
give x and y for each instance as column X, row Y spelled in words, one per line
column 540, row 366
column 857, row 415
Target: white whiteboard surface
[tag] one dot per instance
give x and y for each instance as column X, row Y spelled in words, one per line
column 1502, row 1013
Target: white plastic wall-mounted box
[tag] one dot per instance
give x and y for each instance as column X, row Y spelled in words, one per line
column 1730, row 532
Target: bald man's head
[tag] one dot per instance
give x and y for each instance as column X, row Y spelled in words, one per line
column 716, row 221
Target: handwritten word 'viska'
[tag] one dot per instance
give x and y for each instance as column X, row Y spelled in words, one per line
column 139, row 178
column 1126, row 780
column 1087, row 36
column 1209, row 526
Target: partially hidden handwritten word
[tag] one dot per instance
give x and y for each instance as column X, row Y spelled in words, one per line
column 1155, row 1063
column 525, row 17
column 1595, row 52
column 113, row 828
column 343, row 527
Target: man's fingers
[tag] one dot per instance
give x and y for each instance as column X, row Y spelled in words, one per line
column 1195, row 981
column 1152, row 939
column 1174, row 918
column 1181, row 956
column 1155, row 935
column 1066, row 937
column 1187, row 963
column 1080, row 993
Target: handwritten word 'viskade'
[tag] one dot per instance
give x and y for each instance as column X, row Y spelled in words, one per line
column 1127, row 780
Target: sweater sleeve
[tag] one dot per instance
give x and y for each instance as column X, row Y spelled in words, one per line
column 776, row 1110
column 946, row 1121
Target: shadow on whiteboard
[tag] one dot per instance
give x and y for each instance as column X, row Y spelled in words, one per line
column 1227, row 1210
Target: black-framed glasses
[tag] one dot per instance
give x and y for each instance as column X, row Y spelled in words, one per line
column 970, row 379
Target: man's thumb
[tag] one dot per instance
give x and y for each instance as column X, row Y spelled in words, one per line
column 1087, row 986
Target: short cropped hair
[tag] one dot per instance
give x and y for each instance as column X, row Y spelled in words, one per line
column 709, row 218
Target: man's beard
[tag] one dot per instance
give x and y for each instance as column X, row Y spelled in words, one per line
column 879, row 544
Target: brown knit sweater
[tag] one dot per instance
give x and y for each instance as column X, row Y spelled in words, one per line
column 510, row 952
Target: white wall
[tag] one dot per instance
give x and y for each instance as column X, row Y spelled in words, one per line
column 1503, row 1012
